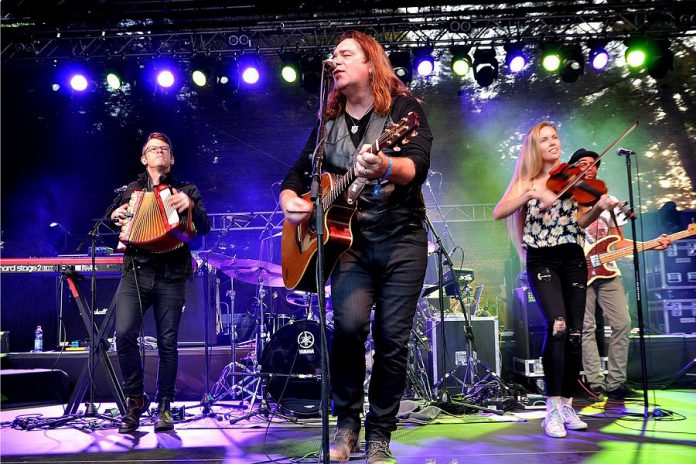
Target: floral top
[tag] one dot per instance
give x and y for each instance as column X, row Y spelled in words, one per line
column 554, row 226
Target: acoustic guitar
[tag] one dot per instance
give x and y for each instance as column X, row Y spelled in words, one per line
column 299, row 241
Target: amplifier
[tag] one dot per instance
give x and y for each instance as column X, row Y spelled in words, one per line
column 529, row 324
column 191, row 327
column 487, row 347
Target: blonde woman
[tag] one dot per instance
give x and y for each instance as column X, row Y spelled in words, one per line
column 548, row 233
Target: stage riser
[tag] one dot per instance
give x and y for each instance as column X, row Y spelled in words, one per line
column 190, row 382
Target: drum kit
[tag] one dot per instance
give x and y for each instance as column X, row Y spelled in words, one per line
column 285, row 360
column 285, row 363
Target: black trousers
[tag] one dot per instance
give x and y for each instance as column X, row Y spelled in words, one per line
column 389, row 275
column 140, row 289
column 558, row 279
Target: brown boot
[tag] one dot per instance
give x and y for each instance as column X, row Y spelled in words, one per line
column 136, row 405
column 378, row 452
column 165, row 422
column 345, row 442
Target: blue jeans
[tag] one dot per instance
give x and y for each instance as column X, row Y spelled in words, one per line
column 388, row 274
column 558, row 278
column 142, row 288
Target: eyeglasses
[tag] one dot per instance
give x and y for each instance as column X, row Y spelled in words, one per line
column 155, row 148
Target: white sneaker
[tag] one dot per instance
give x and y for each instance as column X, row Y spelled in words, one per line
column 553, row 424
column 571, row 419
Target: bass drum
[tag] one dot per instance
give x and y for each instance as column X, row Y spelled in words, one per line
column 295, row 350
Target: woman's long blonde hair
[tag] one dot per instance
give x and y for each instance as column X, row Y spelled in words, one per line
column 529, row 165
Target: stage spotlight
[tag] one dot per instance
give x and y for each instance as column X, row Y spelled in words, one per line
column 572, row 63
column 250, row 69
column 515, row 59
column 78, row 82
column 114, row 73
column 403, row 66
column 485, row 66
column 550, row 57
column 599, row 56
column 201, row 71
column 424, row 61
column 661, row 60
column 290, row 67
column 461, row 61
column 165, row 78
column 636, row 52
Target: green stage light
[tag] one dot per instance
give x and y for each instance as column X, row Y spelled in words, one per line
column 461, row 61
column 551, row 62
column 199, row 78
column 635, row 58
column 113, row 80
column 550, row 57
column 290, row 67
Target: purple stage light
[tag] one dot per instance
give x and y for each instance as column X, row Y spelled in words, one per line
column 165, row 78
column 600, row 59
column 425, row 67
column 250, row 75
column 78, row 82
column 517, row 63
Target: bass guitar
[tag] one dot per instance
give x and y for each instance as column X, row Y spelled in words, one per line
column 299, row 241
column 602, row 253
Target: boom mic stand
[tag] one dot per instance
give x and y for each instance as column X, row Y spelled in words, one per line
column 317, row 197
column 93, row 236
column 636, row 276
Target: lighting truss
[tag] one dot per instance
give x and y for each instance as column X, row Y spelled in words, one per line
column 440, row 27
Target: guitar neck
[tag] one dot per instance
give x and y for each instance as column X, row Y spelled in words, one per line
column 349, row 177
column 643, row 246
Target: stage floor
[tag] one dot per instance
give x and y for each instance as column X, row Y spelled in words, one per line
column 613, row 436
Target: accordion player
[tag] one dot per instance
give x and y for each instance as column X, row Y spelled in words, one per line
column 153, row 225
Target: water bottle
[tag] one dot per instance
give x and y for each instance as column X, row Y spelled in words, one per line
column 38, row 339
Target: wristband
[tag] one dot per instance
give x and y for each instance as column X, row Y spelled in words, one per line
column 389, row 168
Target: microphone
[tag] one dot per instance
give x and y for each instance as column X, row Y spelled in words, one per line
column 121, row 189
column 330, row 63
column 624, row 152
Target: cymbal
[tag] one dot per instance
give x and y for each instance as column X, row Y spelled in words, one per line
column 247, row 270
column 216, row 259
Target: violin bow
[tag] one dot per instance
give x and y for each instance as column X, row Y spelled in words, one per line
column 598, row 159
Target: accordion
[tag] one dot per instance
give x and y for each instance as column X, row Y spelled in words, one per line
column 153, row 225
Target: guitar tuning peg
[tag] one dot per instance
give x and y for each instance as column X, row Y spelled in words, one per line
column 396, row 149
column 415, row 133
column 405, row 142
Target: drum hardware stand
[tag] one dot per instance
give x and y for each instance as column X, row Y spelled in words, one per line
column 259, row 392
column 208, row 400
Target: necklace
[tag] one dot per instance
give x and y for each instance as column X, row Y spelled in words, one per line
column 355, row 123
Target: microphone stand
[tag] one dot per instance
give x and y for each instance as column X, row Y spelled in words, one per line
column 636, row 277
column 92, row 236
column 317, row 197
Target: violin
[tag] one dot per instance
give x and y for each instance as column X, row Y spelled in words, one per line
column 568, row 179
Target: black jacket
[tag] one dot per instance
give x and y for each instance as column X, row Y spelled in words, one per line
column 176, row 264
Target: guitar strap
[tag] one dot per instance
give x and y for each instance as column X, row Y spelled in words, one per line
column 619, row 229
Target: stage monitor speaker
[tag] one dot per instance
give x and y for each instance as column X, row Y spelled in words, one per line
column 191, row 328
column 487, row 348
